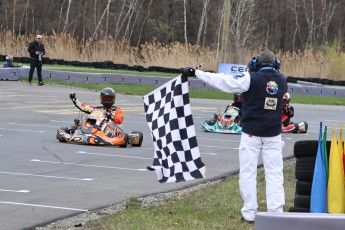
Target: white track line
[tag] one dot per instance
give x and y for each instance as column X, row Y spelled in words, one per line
column 212, row 146
column 113, row 155
column 55, row 177
column 45, row 126
column 24, row 130
column 43, row 206
column 97, row 166
column 208, row 139
column 19, row 191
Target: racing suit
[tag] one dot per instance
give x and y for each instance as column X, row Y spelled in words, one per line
column 114, row 113
column 261, row 133
column 287, row 113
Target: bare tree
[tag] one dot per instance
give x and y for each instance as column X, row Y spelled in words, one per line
column 24, row 15
column 202, row 20
column 67, row 17
column 144, row 22
column 14, row 17
column 60, row 16
column 225, row 33
column 185, row 22
column 84, row 21
column 243, row 24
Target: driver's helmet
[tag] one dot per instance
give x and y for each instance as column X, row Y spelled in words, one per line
column 231, row 115
column 238, row 98
column 286, row 100
column 9, row 58
column 108, row 96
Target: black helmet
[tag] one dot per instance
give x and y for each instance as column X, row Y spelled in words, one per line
column 108, row 97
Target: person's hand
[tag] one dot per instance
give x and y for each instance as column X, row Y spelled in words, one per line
column 72, row 96
column 36, row 52
column 188, row 72
column 109, row 116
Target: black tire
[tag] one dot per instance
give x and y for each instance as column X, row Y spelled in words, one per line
column 126, row 142
column 302, row 201
column 296, row 209
column 308, row 148
column 303, row 188
column 140, row 138
column 305, row 169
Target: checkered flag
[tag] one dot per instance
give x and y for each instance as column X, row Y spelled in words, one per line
column 169, row 116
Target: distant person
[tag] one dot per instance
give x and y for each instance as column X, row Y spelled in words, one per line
column 8, row 61
column 36, row 51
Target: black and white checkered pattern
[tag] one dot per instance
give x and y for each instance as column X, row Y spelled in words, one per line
column 169, row 116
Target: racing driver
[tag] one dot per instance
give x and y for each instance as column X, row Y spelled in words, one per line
column 108, row 97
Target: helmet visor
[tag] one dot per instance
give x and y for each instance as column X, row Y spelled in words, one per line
column 107, row 98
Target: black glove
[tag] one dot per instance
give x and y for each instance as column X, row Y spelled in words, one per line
column 188, row 72
column 72, row 96
column 109, row 116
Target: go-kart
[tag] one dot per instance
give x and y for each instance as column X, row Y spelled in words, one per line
column 293, row 127
column 229, row 122
column 96, row 129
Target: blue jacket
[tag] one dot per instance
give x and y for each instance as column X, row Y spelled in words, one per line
column 8, row 64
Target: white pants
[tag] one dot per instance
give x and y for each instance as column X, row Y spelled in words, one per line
column 271, row 149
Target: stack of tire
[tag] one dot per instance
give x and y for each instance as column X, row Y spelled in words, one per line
column 305, row 154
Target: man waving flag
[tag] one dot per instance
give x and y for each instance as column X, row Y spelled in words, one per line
column 169, row 116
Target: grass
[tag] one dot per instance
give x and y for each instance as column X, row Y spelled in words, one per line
column 214, row 207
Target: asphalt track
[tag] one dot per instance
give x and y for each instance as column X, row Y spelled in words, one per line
column 42, row 180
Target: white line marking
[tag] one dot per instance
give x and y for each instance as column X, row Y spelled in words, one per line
column 199, row 138
column 111, row 155
column 335, row 121
column 19, row 191
column 24, row 130
column 213, row 154
column 43, row 206
column 46, row 126
column 212, row 146
column 97, row 166
column 61, row 121
column 56, row 177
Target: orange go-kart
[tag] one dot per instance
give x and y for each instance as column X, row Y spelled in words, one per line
column 96, row 129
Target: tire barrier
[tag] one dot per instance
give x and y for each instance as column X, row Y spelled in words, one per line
column 305, row 154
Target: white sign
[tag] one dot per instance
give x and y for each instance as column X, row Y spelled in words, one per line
column 231, row 68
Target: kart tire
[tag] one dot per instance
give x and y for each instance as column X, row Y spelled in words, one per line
column 297, row 209
column 308, row 148
column 303, row 188
column 295, row 130
column 140, row 138
column 126, row 141
column 302, row 201
column 61, row 140
column 305, row 169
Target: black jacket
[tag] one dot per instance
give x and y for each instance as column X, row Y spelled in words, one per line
column 262, row 103
column 35, row 46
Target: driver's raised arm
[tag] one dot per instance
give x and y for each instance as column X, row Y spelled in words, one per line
column 81, row 106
